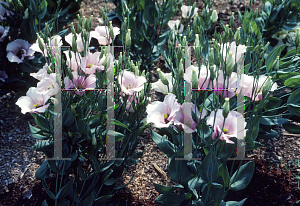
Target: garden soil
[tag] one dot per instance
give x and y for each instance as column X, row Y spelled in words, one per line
column 274, row 181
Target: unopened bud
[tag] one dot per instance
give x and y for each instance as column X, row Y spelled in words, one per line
column 128, row 39
column 211, row 57
column 124, row 25
column 237, row 36
column 266, row 47
column 229, row 63
column 47, row 30
column 226, row 107
column 162, row 77
column 74, row 44
column 212, row 72
column 276, row 64
column 214, row 16
column 84, row 22
column 267, row 86
column 195, row 79
column 94, row 141
column 111, row 31
column 40, row 43
column 180, row 70
column 256, row 49
column 231, row 20
column 73, row 31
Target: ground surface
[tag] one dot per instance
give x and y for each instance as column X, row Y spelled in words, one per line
column 272, row 183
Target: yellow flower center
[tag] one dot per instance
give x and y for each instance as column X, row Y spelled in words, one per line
column 129, row 86
column 166, row 116
column 36, row 105
column 225, row 130
column 90, row 65
column 52, row 86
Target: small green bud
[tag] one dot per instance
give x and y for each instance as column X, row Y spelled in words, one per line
column 237, row 36
column 73, row 31
column 266, row 47
column 195, row 79
column 47, row 30
column 111, row 31
column 231, row 20
column 84, row 22
column 40, row 43
column 181, row 70
column 256, row 49
column 90, row 23
column 124, row 25
column 276, row 64
column 229, row 63
column 141, row 97
column 226, row 107
column 74, row 44
column 267, row 86
column 94, row 141
column 128, row 39
column 212, row 72
column 162, row 77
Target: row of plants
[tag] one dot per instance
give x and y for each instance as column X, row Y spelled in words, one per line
column 232, row 64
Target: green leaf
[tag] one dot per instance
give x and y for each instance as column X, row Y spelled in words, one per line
column 41, row 121
column 42, row 9
column 293, row 81
column 43, row 171
column 268, row 135
column 44, row 203
column 68, row 118
column 121, row 124
column 294, row 98
column 209, row 168
column 32, row 6
column 294, row 109
column 118, row 136
column 274, row 12
column 288, row 75
column 256, row 145
column 195, row 184
column 65, row 189
column 292, row 128
column 103, row 199
column 170, row 199
column 235, row 203
column 242, row 177
column 223, row 171
column 272, row 120
column 51, row 195
column 164, row 145
column 164, row 189
column 33, row 132
column 272, row 56
column 140, row 5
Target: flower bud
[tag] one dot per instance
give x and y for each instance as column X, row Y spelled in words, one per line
column 74, row 44
column 214, row 16
column 297, row 38
column 40, row 43
column 226, row 107
column 47, row 30
column 73, row 32
column 94, row 141
column 128, row 39
column 229, row 63
column 276, row 64
column 212, row 72
column 237, row 36
column 184, row 43
column 84, row 22
column 266, row 47
column 231, row 20
column 124, row 25
column 111, row 31
column 256, row 49
column 180, row 70
column 267, row 86
column 162, row 77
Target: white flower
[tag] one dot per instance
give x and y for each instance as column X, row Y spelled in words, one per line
column 172, row 24
column 48, row 85
column 160, row 87
column 187, row 11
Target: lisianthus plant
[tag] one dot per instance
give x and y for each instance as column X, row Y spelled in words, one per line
column 89, row 177
column 233, row 65
column 19, row 23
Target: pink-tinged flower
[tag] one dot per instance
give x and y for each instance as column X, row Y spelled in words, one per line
column 237, row 51
column 37, row 48
column 3, row 11
column 188, row 9
column 101, row 33
column 80, row 83
column 48, row 85
column 3, row 32
column 131, row 83
column 79, row 42
column 129, row 105
column 90, row 63
column 3, row 75
column 33, row 102
column 18, row 49
column 185, row 113
column 73, row 62
column 246, row 86
column 226, row 88
column 160, row 87
column 162, row 114
column 230, row 126
column 42, row 73
column 172, row 24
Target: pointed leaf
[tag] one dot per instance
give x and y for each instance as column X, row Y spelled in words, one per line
column 242, row 177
